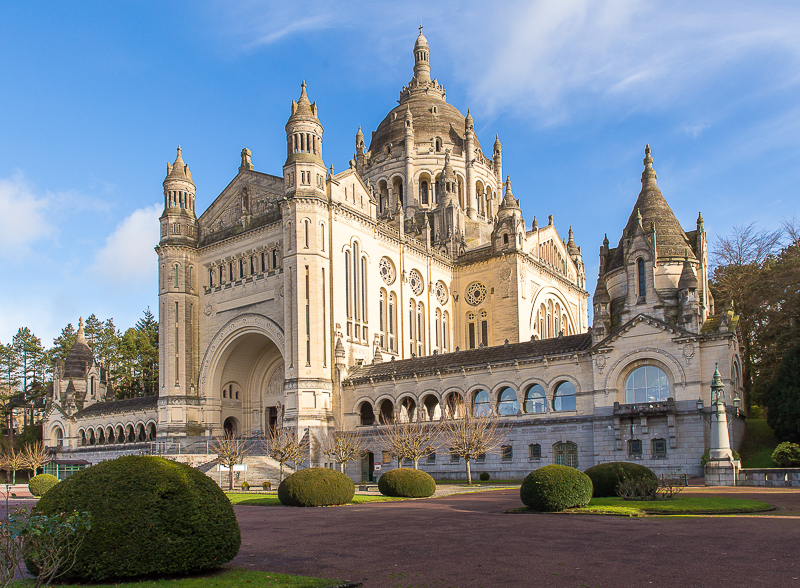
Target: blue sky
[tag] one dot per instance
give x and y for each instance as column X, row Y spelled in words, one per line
column 96, row 96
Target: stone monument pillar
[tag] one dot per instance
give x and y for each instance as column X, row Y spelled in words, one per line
column 721, row 469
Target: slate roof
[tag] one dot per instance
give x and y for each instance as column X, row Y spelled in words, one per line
column 78, row 358
column 445, row 361
column 127, row 405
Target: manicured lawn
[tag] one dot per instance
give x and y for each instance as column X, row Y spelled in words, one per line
column 677, row 506
column 227, row 578
column 758, row 444
column 249, row 499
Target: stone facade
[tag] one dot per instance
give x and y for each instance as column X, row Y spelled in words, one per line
column 319, row 298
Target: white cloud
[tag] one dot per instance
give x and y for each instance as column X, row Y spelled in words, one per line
column 23, row 221
column 694, row 129
column 128, row 255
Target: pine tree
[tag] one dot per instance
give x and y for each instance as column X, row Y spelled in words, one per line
column 93, row 329
column 64, row 342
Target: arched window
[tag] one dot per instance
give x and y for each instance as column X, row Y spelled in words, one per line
column 430, row 407
column 535, row 400
column 57, row 437
column 423, row 192
column 445, row 331
column 387, row 412
column 322, row 236
column 82, row 437
column 566, row 454
column 151, row 432
column 305, row 233
column 484, row 328
column 454, row 405
column 646, row 383
column 642, row 280
column 481, row 405
column 437, row 330
column 363, row 285
column 382, row 318
column 348, row 305
column 507, row 404
column 392, row 314
column 565, row 397
column 421, row 329
column 471, row 330
column 367, row 414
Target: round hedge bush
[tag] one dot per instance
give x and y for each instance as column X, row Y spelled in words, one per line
column 485, row 476
column 316, row 487
column 554, row 488
column 149, row 516
column 606, row 476
column 41, row 484
column 406, row 483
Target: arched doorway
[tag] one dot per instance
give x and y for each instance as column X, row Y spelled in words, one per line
column 230, row 427
column 244, row 378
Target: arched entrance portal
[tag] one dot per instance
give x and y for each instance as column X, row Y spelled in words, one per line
column 244, row 380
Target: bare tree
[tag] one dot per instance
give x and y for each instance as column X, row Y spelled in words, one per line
column 343, row 447
column 230, row 451
column 745, row 246
column 36, row 455
column 471, row 435
column 12, row 461
column 410, row 437
column 283, row 445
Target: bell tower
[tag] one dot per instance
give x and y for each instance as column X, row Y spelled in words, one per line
column 178, row 308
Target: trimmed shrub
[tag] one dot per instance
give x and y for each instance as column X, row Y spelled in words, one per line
column 41, row 484
column 406, row 483
column 316, row 487
column 554, row 488
column 786, row 455
column 484, row 476
column 607, row 476
column 149, row 516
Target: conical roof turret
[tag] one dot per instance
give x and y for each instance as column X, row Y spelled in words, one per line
column 572, row 247
column 509, row 202
column 688, row 278
column 80, row 356
column 652, row 211
column 179, row 170
column 303, row 109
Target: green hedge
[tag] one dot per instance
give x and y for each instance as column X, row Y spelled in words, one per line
column 555, row 488
column 406, row 483
column 606, row 476
column 787, row 455
column 41, row 484
column 485, row 476
column 316, row 487
column 149, row 516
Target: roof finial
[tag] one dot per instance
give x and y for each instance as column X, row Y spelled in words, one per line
column 80, row 335
column 649, row 174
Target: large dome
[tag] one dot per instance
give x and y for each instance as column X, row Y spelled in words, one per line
column 432, row 118
column 432, row 115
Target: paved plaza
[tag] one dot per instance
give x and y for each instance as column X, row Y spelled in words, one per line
column 468, row 541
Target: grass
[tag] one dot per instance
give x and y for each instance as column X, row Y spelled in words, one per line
column 226, row 578
column 247, row 499
column 758, row 444
column 681, row 505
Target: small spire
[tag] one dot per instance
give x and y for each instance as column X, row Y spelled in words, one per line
column 535, row 224
column 303, row 91
column 605, row 240
column 359, row 134
column 550, row 220
column 81, row 337
column 649, row 174
column 508, row 185
column 699, row 220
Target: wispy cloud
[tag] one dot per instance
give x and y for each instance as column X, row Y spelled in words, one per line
column 127, row 255
column 694, row 129
column 23, row 219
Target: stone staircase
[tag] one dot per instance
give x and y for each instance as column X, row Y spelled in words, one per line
column 260, row 468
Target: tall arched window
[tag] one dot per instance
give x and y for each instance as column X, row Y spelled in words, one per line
column 646, row 383
column 445, row 331
column 322, row 236
column 363, row 284
column 535, row 400
column 565, row 397
column 484, row 328
column 507, row 403
column 642, row 280
column 471, row 330
column 481, row 406
column 367, row 414
column 382, row 306
column 421, row 329
column 423, row 192
column 305, row 233
column 392, row 321
column 437, row 330
column 347, row 292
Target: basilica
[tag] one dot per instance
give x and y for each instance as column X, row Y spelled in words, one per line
column 407, row 284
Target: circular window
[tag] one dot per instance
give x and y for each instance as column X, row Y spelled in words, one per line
column 415, row 281
column 386, row 268
column 476, row 293
column 441, row 293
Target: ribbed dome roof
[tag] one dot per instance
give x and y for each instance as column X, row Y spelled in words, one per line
column 79, row 357
column 652, row 208
column 448, row 123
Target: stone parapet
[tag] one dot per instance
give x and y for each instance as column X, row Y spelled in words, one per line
column 778, row 477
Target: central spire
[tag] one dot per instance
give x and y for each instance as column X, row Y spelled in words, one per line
column 422, row 52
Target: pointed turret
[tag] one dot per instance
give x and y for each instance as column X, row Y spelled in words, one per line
column 509, row 202
column 178, row 222
column 497, row 160
column 304, row 130
column 572, row 247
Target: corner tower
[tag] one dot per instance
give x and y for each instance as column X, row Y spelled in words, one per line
column 178, row 311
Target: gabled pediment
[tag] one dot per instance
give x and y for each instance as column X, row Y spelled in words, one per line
column 248, row 194
column 639, row 325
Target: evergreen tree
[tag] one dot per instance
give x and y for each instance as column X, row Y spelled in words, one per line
column 93, row 329
column 783, row 398
column 64, row 342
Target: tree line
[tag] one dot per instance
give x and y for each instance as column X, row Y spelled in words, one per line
column 759, row 273
column 130, row 359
